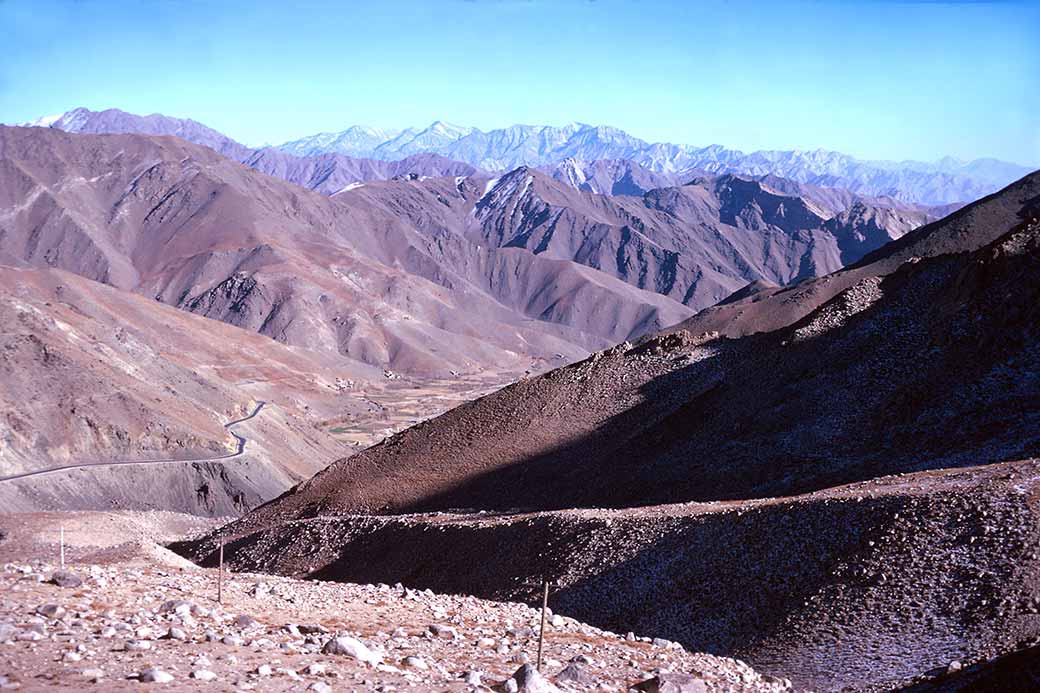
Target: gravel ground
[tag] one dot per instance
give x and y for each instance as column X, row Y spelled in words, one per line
column 142, row 613
column 865, row 586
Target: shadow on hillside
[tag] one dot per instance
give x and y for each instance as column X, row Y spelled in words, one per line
column 918, row 379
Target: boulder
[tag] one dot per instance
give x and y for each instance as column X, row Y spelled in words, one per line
column 576, row 675
column 65, row 578
column 351, row 647
column 50, row 611
column 526, row 679
column 155, row 675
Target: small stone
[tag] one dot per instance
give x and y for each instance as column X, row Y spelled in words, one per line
column 93, row 674
column 320, row 687
column 176, row 634
column 53, row 611
column 528, row 680
column 138, row 645
column 246, row 622
column 672, row 683
column 263, row 670
column 155, row 675
column 203, row 675
column 65, row 578
column 176, row 606
column 7, row 632
column 232, row 640
column 576, row 675
column 473, row 678
column 443, row 632
column 415, row 662
column 315, row 669
column 954, row 667
column 352, row 647
column 71, row 657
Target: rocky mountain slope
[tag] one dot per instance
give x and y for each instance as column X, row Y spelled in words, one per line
column 177, row 222
column 92, row 374
column 100, row 385
column 126, row 612
column 695, row 244
column 685, row 417
column 886, row 428
column 409, row 273
column 941, row 182
column 861, row 588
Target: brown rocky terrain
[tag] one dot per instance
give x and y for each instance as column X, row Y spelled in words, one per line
column 93, row 375
column 835, row 481
column 694, row 243
column 409, row 273
column 843, row 394
column 861, row 587
column 127, row 611
column 177, row 222
column 888, row 428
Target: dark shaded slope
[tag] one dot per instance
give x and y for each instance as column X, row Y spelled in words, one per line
column 859, row 587
column 884, row 378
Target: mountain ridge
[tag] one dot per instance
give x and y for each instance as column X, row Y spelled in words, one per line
column 945, row 181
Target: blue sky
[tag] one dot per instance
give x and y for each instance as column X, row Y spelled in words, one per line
column 887, row 80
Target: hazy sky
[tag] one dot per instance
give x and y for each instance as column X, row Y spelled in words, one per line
column 875, row 79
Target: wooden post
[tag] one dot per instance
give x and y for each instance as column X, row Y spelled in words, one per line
column 220, row 575
column 541, row 630
column 61, row 544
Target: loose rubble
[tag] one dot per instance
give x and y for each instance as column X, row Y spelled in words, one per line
column 135, row 621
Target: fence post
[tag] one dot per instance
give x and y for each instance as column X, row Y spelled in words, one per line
column 541, row 630
column 220, row 575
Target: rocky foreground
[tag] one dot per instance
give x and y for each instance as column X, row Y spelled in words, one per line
column 132, row 613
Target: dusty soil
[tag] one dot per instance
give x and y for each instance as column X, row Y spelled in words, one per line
column 141, row 607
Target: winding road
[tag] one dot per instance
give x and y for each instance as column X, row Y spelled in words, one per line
column 241, row 449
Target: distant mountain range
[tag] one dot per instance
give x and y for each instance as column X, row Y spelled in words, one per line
column 421, row 274
column 574, row 153
column 947, row 180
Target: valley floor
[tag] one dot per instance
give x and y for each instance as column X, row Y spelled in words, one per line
column 231, row 483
